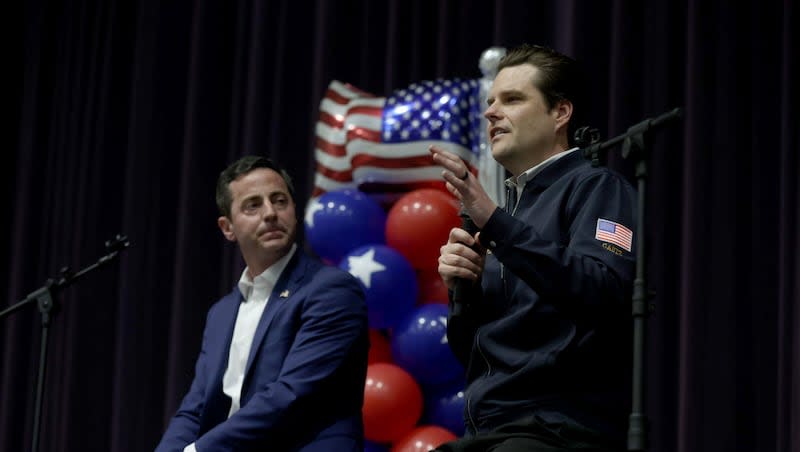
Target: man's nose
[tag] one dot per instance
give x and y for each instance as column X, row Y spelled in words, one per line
column 268, row 212
column 491, row 113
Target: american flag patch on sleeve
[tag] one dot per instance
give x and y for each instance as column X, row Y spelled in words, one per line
column 611, row 232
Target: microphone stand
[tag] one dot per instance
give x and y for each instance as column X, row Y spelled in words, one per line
column 44, row 298
column 635, row 143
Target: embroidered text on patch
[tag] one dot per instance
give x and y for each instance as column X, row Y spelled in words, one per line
column 609, row 231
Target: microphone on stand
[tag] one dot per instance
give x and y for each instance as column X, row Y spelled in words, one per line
column 462, row 285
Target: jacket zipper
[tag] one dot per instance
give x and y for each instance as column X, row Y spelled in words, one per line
column 513, row 212
column 477, row 332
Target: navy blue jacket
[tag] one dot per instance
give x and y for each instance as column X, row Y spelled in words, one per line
column 547, row 334
column 304, row 382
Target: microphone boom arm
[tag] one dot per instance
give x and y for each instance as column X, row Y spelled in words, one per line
column 43, row 297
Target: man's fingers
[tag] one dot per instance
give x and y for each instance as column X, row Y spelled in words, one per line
column 455, row 168
column 458, row 235
column 461, row 258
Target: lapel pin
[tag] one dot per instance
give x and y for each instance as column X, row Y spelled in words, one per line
column 284, row 294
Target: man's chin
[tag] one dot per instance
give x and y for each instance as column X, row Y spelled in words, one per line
column 499, row 153
column 272, row 240
column 278, row 245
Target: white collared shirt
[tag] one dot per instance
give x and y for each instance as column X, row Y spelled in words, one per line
column 255, row 295
column 519, row 182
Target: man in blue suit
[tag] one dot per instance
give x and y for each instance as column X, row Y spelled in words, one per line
column 284, row 355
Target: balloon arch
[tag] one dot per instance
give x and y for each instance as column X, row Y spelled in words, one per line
column 380, row 211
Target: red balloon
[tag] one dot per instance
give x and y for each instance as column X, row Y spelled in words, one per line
column 431, row 287
column 419, row 223
column 379, row 349
column 423, row 439
column 392, row 403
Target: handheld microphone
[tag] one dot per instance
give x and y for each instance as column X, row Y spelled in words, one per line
column 462, row 285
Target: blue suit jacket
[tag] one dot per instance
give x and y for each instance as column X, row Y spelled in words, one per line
column 304, row 382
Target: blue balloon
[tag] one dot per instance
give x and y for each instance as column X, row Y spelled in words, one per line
column 389, row 282
column 369, row 446
column 420, row 346
column 340, row 221
column 446, row 409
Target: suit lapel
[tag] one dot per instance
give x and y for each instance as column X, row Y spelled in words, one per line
column 284, row 289
column 228, row 310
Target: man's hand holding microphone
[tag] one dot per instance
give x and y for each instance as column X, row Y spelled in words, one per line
column 461, row 258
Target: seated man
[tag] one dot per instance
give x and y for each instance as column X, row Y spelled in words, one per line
column 284, row 355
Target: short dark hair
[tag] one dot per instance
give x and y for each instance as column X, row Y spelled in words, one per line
column 243, row 166
column 559, row 77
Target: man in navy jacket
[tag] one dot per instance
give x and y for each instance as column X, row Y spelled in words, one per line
column 284, row 355
column 543, row 326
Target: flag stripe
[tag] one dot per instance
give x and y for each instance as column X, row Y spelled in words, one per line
column 327, row 148
column 330, row 124
column 324, row 184
column 340, row 134
column 347, row 90
column 357, row 147
column 331, row 120
column 365, row 110
column 335, row 108
column 392, row 163
column 342, row 170
column 619, row 232
column 615, row 240
column 363, row 134
column 338, row 176
column 333, row 95
column 338, row 163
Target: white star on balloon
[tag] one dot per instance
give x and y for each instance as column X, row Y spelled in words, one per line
column 444, row 322
column 362, row 267
column 313, row 208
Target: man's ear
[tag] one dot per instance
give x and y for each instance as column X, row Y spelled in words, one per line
column 226, row 227
column 562, row 113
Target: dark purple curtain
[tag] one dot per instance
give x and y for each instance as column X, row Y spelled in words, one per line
column 124, row 112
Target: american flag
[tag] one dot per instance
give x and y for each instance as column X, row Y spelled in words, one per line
column 380, row 145
column 611, row 232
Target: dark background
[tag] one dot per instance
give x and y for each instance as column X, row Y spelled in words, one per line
column 122, row 113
